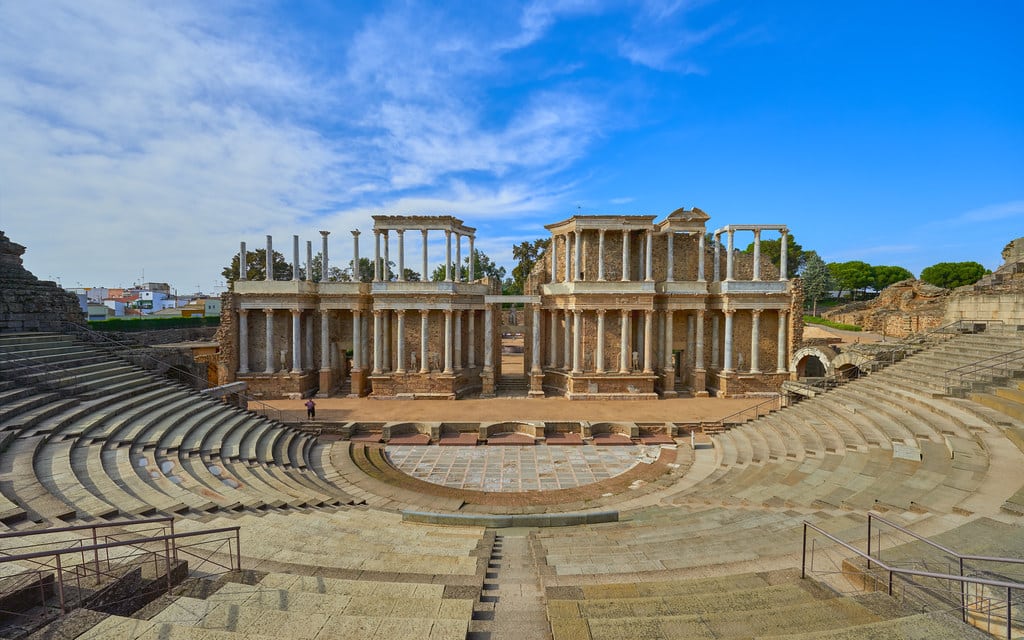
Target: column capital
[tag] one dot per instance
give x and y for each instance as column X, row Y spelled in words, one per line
column 356, row 313
column 325, row 233
column 378, row 312
column 601, row 312
column 783, row 312
column 623, row 312
column 243, row 312
column 400, row 232
column 295, row 311
column 756, row 312
column 268, row 310
column 424, row 312
column 448, row 312
column 400, row 312
column 729, row 312
column 355, row 233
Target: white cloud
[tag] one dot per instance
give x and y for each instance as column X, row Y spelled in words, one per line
column 993, row 212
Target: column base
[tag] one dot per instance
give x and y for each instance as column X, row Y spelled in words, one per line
column 536, row 385
column 358, row 383
column 326, row 383
column 700, row 383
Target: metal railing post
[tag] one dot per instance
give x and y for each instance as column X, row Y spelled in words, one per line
column 963, row 594
column 1009, row 606
column 60, row 585
column 96, row 554
column 890, row 582
column 803, row 554
column 238, row 547
column 869, row 540
column 167, row 562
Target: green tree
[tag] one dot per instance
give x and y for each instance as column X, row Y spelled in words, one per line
column 953, row 274
column 410, row 275
column 885, row 275
column 483, row 266
column 256, row 267
column 795, row 257
column 526, row 255
column 333, row 272
column 818, row 280
column 851, row 276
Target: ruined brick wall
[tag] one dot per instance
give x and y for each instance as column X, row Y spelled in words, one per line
column 30, row 304
column 227, row 338
column 900, row 310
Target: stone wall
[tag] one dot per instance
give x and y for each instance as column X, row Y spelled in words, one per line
column 900, row 310
column 30, row 304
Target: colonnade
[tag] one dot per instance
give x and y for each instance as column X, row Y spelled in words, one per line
column 572, row 244
column 450, row 275
column 729, row 257
column 302, row 334
column 456, row 355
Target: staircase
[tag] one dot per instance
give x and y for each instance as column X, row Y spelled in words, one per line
column 512, row 387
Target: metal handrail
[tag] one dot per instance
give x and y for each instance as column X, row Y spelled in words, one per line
column 82, row 527
column 894, row 571
column 756, row 408
column 975, row 369
column 874, row 516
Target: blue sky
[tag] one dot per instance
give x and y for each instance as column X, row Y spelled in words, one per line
column 155, row 136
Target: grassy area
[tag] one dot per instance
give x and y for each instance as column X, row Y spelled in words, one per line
column 152, row 324
column 829, row 323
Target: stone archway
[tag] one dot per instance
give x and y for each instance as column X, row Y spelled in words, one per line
column 851, row 364
column 813, row 362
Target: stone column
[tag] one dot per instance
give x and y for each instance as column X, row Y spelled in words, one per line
column 727, row 362
column 357, row 342
column 424, row 340
column 624, row 350
column 365, row 344
column 324, row 263
column 325, row 339
column 457, row 338
column 599, row 356
column 755, row 341
column 376, row 255
column 471, row 333
column 448, row 341
column 669, row 338
column 554, row 258
column 377, row 340
column 625, row 255
column 757, row 255
column 458, row 257
column 698, row 350
column 700, row 258
column 243, row 340
column 577, row 338
column 717, row 267
column 715, row 341
column 448, row 275
column 309, row 261
column 296, row 340
column 600, row 255
column 243, row 260
column 780, row 360
column 729, row 262
column 648, row 257
column 568, row 259
column 783, row 256
column 355, row 259
column 535, row 347
column 295, row 255
column 269, row 314
column 400, row 368
column 386, row 338
column 567, row 341
column 577, row 249
column 691, row 335
column 307, row 358
column 385, row 266
column 488, row 339
column 269, row 259
column 472, row 262
column 648, row 339
column 401, row 255
column 426, row 275
column 552, row 339
column 670, row 238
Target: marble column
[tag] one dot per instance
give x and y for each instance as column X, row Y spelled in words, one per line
column 309, row 261
column 568, row 259
column 577, row 339
column 269, row 259
column 448, row 341
column 269, row 314
column 577, row 247
column 757, row 255
column 698, row 350
column 296, row 340
column 783, row 256
column 649, row 257
column 324, row 263
column 700, row 258
column 716, row 361
column 554, row 258
column 457, row 338
column 386, row 338
column 424, row 340
column 535, row 346
column 295, row 258
column 625, row 255
column 448, row 275
column 669, row 338
column 599, row 356
column 400, row 344
column 425, row 277
column 624, row 341
column 552, row 339
column 472, row 261
column 401, row 254
column 471, row 336
column 325, row 342
column 648, row 340
column 488, row 339
column 755, row 341
column 307, row 357
column 567, row 342
column 377, row 340
column 600, row 255
column 243, row 341
column 780, row 361
column 729, row 261
column 670, row 238
column 691, row 337
column 385, row 265
column 727, row 362
column 243, row 263
column 357, row 340
column 717, row 267
column 458, row 257
column 365, row 344
column 356, row 275
column 376, row 255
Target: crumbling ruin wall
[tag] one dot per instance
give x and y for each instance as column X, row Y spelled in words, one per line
column 904, row 308
column 28, row 303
